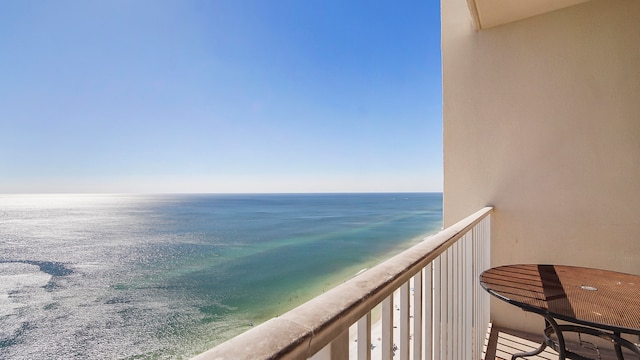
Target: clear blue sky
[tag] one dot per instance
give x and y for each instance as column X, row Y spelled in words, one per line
column 220, row 96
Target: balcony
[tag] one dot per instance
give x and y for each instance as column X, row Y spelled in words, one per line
column 428, row 300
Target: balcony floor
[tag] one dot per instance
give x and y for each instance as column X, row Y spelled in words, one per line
column 503, row 343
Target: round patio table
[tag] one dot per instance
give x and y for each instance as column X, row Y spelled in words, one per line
column 596, row 302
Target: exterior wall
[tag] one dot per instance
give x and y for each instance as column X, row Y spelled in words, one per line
column 542, row 121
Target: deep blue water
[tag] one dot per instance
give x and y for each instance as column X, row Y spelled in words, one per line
column 167, row 276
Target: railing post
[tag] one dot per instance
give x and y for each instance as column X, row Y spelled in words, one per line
column 387, row 328
column 340, row 346
column 364, row 337
column 323, row 354
column 437, row 309
column 418, row 307
column 404, row 322
column 450, row 303
column 468, row 296
column 428, row 307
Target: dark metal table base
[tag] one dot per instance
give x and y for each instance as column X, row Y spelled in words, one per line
column 552, row 327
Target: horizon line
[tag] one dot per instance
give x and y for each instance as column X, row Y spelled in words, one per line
column 225, row 193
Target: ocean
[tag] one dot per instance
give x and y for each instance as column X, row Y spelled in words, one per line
column 169, row 276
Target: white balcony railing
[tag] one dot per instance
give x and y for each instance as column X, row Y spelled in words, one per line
column 432, row 307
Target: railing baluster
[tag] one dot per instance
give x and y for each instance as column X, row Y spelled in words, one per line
column 468, row 296
column 476, row 307
column 455, row 300
column 486, row 241
column 428, row 306
column 459, row 334
column 437, row 308
column 364, row 337
column 461, row 299
column 387, row 328
column 324, row 354
column 476, row 314
column 403, row 342
column 418, row 308
column 450, row 297
column 444, row 303
column 340, row 346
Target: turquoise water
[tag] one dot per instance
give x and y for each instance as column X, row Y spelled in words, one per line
column 168, row 276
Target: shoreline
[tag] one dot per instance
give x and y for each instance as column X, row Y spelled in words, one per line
column 346, row 274
column 301, row 296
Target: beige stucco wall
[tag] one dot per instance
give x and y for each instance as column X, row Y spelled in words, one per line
column 542, row 121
